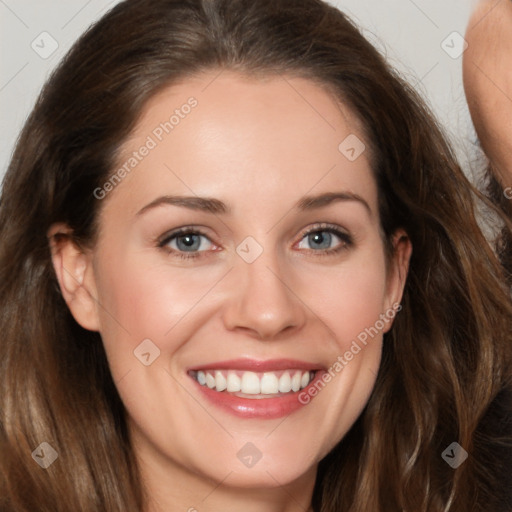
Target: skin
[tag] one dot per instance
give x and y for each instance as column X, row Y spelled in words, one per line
column 488, row 82
column 258, row 146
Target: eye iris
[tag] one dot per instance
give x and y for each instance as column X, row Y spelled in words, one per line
column 321, row 238
column 188, row 242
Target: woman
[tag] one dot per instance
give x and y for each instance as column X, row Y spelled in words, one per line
column 241, row 271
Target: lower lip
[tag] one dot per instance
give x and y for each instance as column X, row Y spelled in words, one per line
column 263, row 408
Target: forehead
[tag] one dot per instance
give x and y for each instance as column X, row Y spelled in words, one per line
column 222, row 132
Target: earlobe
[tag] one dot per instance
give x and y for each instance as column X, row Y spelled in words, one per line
column 74, row 274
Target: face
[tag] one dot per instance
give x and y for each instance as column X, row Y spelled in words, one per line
column 240, row 278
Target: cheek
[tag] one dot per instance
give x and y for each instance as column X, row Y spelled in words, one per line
column 350, row 298
column 140, row 301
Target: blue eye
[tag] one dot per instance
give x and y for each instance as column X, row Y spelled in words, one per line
column 186, row 243
column 322, row 240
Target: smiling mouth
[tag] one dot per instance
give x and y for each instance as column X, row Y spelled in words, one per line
column 248, row 384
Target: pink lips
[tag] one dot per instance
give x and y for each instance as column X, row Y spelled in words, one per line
column 264, row 408
column 252, row 365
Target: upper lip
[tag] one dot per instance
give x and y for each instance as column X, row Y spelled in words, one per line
column 255, row 365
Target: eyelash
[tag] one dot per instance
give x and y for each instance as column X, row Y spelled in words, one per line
column 346, row 241
column 181, row 232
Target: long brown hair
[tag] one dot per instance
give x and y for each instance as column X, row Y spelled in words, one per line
column 446, row 362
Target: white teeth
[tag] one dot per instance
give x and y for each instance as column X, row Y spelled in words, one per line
column 285, row 383
column 233, row 382
column 252, row 383
column 210, row 381
column 220, row 381
column 296, row 381
column 269, row 384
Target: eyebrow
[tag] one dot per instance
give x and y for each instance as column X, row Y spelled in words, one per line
column 313, row 202
column 215, row 206
column 205, row 204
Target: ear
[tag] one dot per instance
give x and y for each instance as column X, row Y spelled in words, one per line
column 73, row 268
column 398, row 269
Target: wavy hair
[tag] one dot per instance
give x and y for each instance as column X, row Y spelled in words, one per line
column 445, row 371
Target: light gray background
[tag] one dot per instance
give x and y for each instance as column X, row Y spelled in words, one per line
column 409, row 32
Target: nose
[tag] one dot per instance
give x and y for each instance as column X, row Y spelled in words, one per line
column 263, row 302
